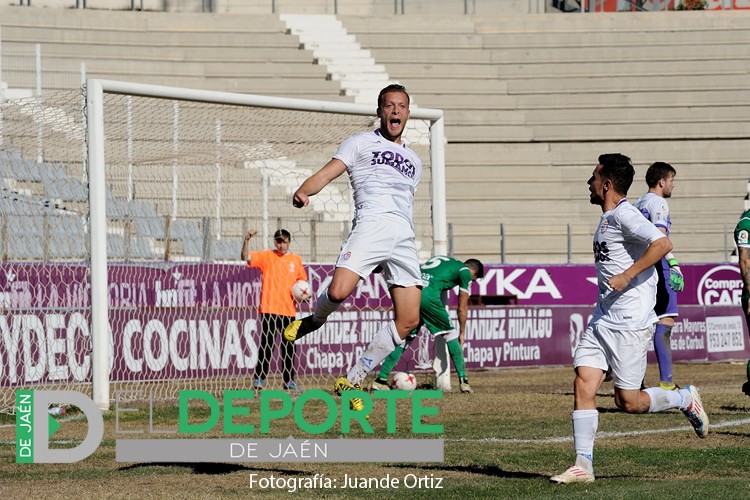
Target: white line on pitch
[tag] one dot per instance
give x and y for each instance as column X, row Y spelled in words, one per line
column 71, row 418
column 601, row 435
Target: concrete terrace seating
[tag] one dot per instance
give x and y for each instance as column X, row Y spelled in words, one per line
column 238, row 53
column 234, row 53
column 531, row 101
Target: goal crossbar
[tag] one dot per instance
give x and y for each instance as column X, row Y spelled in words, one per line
column 96, row 145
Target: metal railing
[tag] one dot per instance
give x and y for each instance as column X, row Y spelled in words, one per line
column 572, row 242
column 382, row 7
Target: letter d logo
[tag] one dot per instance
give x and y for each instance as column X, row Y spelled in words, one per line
column 33, row 427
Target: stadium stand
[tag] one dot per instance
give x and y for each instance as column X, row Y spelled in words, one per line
column 530, row 101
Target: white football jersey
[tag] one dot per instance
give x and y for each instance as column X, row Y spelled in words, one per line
column 621, row 238
column 384, row 175
column 655, row 209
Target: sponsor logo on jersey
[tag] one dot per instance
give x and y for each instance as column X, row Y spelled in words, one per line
column 395, row 160
column 346, row 255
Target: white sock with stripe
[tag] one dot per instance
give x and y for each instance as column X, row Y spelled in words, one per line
column 664, row 400
column 382, row 344
column 585, row 425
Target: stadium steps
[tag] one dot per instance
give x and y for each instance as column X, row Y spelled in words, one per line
column 545, row 101
column 658, row 86
column 247, row 54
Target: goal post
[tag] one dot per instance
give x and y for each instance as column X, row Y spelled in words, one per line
column 173, row 130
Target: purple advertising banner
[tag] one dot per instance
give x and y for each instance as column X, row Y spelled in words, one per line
column 200, row 320
column 705, row 284
column 512, row 336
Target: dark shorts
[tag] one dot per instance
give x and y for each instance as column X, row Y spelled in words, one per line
column 666, row 298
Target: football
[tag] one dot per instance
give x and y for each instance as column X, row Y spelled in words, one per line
column 301, row 291
column 404, row 381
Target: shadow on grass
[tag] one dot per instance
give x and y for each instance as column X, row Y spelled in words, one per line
column 732, row 434
column 212, row 469
column 734, row 409
column 486, row 470
column 610, row 395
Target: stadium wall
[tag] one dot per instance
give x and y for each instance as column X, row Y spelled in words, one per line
column 189, row 321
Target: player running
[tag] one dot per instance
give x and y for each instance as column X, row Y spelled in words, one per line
column 441, row 274
column 626, row 247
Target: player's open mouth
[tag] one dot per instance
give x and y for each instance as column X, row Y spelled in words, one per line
column 395, row 122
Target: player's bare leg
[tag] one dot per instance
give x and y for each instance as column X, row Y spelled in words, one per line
column 342, row 285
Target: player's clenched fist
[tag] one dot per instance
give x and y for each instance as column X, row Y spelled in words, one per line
column 300, row 199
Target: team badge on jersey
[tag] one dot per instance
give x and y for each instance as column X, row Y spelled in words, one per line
column 346, row 255
column 742, row 237
column 604, row 226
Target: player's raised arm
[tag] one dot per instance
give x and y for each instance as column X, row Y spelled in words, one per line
column 316, row 182
column 245, row 252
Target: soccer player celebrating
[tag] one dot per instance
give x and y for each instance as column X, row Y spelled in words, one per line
column 626, row 247
column 653, row 205
column 742, row 238
column 384, row 174
column 441, row 274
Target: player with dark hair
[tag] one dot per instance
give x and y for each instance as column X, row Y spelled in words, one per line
column 279, row 269
column 384, row 174
column 441, row 274
column 742, row 239
column 653, row 205
column 626, row 247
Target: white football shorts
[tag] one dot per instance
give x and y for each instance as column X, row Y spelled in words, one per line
column 386, row 241
column 622, row 351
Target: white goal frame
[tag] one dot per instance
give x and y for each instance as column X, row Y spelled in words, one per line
column 95, row 90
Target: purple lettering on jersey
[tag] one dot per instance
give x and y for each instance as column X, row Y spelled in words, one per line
column 395, row 160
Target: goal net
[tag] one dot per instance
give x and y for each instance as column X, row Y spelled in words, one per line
column 137, row 199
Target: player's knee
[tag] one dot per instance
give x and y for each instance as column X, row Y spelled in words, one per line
column 337, row 293
column 585, row 390
column 406, row 325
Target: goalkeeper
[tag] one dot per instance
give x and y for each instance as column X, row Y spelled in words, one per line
column 441, row 274
column 653, row 205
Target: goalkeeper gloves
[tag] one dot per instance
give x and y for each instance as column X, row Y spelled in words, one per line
column 676, row 280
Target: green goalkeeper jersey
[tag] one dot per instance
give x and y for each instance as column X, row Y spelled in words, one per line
column 742, row 239
column 742, row 231
column 442, row 273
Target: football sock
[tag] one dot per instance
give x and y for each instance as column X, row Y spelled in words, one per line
column 585, row 425
column 324, row 308
column 390, row 362
column 665, row 400
column 457, row 355
column 663, row 350
column 382, row 344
